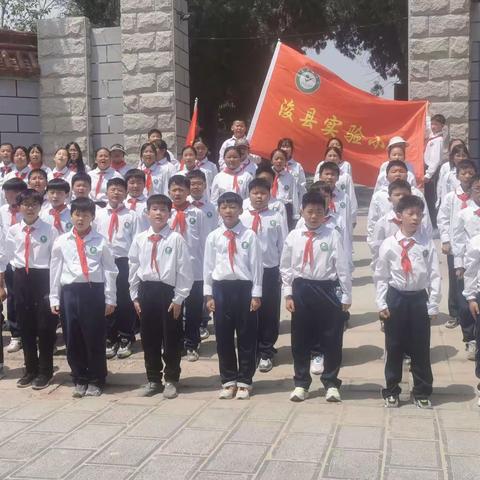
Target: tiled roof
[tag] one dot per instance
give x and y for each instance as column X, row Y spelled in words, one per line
column 18, row 54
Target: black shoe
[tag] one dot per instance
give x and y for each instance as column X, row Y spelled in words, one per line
column 41, row 381
column 26, row 380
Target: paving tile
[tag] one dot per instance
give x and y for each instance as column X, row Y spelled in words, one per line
column 215, row 476
column 237, row 457
column 193, row 442
column 124, row 414
column 168, row 467
column 156, row 426
column 411, row 427
column 353, row 464
column 9, row 428
column 88, row 404
column 460, row 442
column 413, row 453
column 217, row 418
column 61, row 422
column 101, row 472
column 6, row 467
column 467, row 420
column 301, row 447
column 55, row 463
column 363, row 438
column 410, row 410
column 256, row 432
column 90, row 436
column 311, row 423
column 463, row 468
column 271, row 411
column 373, row 416
column 35, row 410
column 27, row 445
column 274, row 470
column 181, row 406
column 407, row 474
column 126, row 451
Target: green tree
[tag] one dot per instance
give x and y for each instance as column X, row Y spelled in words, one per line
column 101, row 13
column 23, row 14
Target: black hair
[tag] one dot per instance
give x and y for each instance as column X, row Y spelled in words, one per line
column 475, row 178
column 337, row 139
column 264, row 167
column 460, row 148
column 15, row 184
column 233, row 147
column 286, row 140
column 329, row 166
column 278, row 150
column 240, row 120
column 37, row 146
column 438, row 118
column 159, row 199
column 22, row 148
column 42, row 172
column 7, row 143
column 154, row 130
column 119, row 182
column 179, row 180
column 320, row 187
column 58, row 184
column 82, row 177
column 189, row 147
column 200, row 140
column 83, row 205
column 397, row 185
column 314, row 198
column 162, row 145
column 230, row 197
column 396, row 163
column 196, row 174
column 464, row 164
column 335, row 149
column 410, row 201
column 30, row 194
column 145, row 146
column 258, row 183
column 79, row 163
column 135, row 173
column 97, row 151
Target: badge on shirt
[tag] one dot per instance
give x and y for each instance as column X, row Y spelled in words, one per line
column 342, row 204
column 127, row 224
column 275, row 209
column 273, row 223
column 324, row 247
column 240, row 182
column 245, row 245
column 68, row 226
column 145, row 211
column 43, row 239
column 286, row 188
column 209, row 214
column 93, row 250
column 192, row 220
column 168, row 250
column 343, row 187
column 155, row 181
column 425, row 253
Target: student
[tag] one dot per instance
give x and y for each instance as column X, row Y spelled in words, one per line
column 433, row 158
column 232, row 178
column 190, row 222
column 407, row 278
column 294, row 167
column 269, row 227
column 156, row 176
column 203, row 163
column 102, row 174
column 160, row 280
column 155, row 136
column 345, row 167
column 10, row 215
column 83, row 293
column 76, row 163
column 61, row 169
column 198, row 188
column 247, row 161
column 448, row 212
column 233, row 274
column 136, row 200
column 284, row 187
column 20, row 164
column 6, row 159
column 448, row 172
column 238, row 129
column 118, row 225
column 117, row 155
column 312, row 265
column 35, row 158
column 57, row 214
column 38, row 180
column 27, row 247
column 188, row 160
column 81, row 185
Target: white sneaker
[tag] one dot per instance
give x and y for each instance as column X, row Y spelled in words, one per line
column 478, row 394
column 204, row 333
column 243, row 393
column 299, row 394
column 15, row 345
column 316, row 365
column 333, row 395
column 227, row 393
column 471, row 348
column 265, row 365
column 192, row 356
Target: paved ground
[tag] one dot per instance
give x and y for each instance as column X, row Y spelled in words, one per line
column 49, row 435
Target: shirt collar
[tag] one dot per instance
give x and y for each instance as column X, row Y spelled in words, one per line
column 304, row 229
column 416, row 236
column 35, row 224
column 106, row 171
column 237, row 229
column 141, row 198
column 164, row 232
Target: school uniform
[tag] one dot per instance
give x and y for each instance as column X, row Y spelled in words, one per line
column 274, row 205
column 230, row 181
column 99, row 182
column 382, row 181
column 82, row 281
column 139, row 206
column 210, row 211
column 408, row 283
column 344, row 166
column 341, row 205
column 229, row 142
column 432, row 158
column 271, row 233
column 191, row 224
column 28, row 249
column 65, row 174
column 284, row 188
column 210, row 170
column 59, row 218
column 233, row 273
column 316, row 274
column 447, row 181
column 119, row 226
column 156, row 179
column 122, row 169
column 250, row 166
column 160, row 273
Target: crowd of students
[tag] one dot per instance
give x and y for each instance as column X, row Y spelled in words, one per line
column 156, row 248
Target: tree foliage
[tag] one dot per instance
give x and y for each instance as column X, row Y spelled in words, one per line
column 23, row 14
column 101, row 13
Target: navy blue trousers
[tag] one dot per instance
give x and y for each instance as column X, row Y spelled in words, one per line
column 11, row 316
column 82, row 308
column 193, row 316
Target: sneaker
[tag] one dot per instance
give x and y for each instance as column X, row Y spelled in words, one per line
column 2, row 371
column 124, row 348
column 79, row 390
column 407, row 359
column 423, row 403
column 15, row 345
column 392, row 402
column 478, row 394
column 243, row 393
column 316, row 365
column 333, row 395
column 170, row 390
column 41, row 381
column 26, row 380
column 299, row 394
column 451, row 323
column 150, row 389
column 265, row 365
column 227, row 393
column 111, row 349
column 471, row 348
column 93, row 390
column 382, row 326
column 204, row 333
column 192, row 356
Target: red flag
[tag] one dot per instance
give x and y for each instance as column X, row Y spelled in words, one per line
column 192, row 130
column 305, row 101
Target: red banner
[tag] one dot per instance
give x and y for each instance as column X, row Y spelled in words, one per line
column 305, row 101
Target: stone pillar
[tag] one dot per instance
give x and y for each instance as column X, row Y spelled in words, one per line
column 149, row 83
column 438, row 63
column 64, row 58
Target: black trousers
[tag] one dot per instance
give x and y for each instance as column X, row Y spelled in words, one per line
column 121, row 323
column 453, row 293
column 467, row 322
column 477, row 337
column 37, row 323
column 317, row 318
column 82, row 308
column 193, row 308
column 291, row 222
column 269, row 313
column 11, row 316
column 158, row 329
column 407, row 331
column 233, row 316
column 431, row 197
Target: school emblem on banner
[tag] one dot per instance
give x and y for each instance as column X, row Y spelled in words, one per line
column 307, row 81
